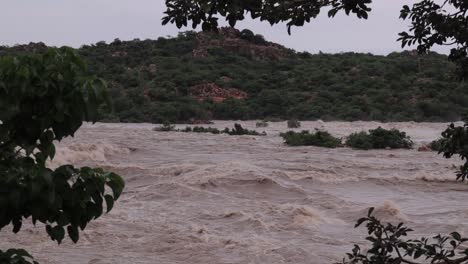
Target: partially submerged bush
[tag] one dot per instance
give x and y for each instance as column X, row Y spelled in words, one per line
column 360, row 140
column 166, row 127
column 236, row 131
column 239, row 130
column 198, row 129
column 379, row 138
column 437, row 145
column 305, row 138
column 294, row 123
column 262, row 123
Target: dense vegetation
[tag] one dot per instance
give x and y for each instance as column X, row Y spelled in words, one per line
column 379, row 138
column 152, row 80
column 305, row 138
column 44, row 99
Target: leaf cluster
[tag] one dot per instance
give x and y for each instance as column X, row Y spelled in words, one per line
column 454, row 142
column 435, row 23
column 16, row 256
column 389, row 245
column 43, row 99
column 292, row 13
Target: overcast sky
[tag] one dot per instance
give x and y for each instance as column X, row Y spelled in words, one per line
column 78, row 22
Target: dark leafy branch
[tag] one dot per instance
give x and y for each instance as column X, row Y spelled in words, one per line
column 45, row 98
column 455, row 142
column 389, row 245
column 293, row 13
column 435, row 24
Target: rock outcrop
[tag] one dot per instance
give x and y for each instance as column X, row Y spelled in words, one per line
column 214, row 92
column 230, row 40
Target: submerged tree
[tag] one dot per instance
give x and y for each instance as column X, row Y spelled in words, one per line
column 43, row 99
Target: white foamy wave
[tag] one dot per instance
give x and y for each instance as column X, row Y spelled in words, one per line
column 86, row 152
column 390, row 212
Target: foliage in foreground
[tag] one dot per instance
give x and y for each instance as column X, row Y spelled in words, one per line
column 305, row 138
column 455, row 140
column 389, row 246
column 44, row 99
column 379, row 138
column 16, row 256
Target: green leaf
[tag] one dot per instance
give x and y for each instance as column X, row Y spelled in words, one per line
column 116, row 183
column 109, row 202
column 73, row 233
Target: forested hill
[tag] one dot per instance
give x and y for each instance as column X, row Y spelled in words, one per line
column 239, row 75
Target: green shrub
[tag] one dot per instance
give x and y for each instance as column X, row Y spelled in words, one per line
column 236, row 131
column 379, row 138
column 305, row 138
column 239, row 130
column 437, row 145
column 294, row 123
column 198, row 129
column 262, row 123
column 360, row 140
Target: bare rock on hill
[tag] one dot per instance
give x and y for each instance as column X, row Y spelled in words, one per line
column 214, row 92
column 230, row 40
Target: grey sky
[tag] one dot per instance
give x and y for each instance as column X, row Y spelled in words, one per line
column 77, row 22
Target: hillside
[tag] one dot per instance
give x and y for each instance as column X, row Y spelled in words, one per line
column 239, row 75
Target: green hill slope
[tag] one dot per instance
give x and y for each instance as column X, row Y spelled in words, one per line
column 239, row 75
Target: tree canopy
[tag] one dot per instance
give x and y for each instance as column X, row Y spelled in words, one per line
column 43, row 99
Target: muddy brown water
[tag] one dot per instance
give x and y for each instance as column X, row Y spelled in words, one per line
column 203, row 198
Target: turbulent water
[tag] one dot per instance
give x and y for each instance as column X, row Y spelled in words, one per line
column 203, row 198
